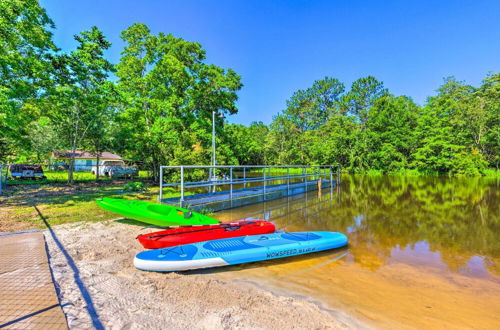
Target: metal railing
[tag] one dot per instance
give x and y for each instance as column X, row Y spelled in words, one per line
column 229, row 179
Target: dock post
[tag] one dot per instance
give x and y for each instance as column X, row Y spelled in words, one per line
column 331, row 183
column 338, row 175
column 264, row 190
column 161, row 184
column 231, row 183
column 244, row 177
column 182, row 187
column 304, row 174
column 288, row 181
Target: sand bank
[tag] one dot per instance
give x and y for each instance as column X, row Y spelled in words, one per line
column 103, row 281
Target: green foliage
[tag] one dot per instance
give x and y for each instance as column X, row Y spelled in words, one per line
column 160, row 110
column 368, row 129
column 309, row 109
column 362, row 96
column 43, row 139
column 247, row 144
column 391, row 123
column 82, row 96
column 25, row 64
column 169, row 94
column 468, row 163
column 134, row 186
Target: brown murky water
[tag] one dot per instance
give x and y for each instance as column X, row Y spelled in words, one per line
column 423, row 251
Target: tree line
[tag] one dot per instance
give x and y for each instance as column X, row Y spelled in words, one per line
column 155, row 106
column 367, row 128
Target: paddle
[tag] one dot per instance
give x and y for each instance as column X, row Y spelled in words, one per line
column 223, row 226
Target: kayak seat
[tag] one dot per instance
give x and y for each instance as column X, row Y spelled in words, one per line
column 232, row 228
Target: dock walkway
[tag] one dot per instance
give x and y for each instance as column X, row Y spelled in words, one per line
column 229, row 199
column 28, row 297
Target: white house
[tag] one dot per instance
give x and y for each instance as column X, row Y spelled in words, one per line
column 83, row 160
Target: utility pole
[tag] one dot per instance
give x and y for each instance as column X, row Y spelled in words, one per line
column 213, row 139
column 212, row 170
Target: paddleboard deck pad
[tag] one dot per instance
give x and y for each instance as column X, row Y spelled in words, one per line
column 192, row 234
column 155, row 214
column 237, row 250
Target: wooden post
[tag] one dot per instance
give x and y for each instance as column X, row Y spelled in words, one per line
column 319, row 188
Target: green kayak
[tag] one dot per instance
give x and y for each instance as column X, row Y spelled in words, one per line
column 155, row 214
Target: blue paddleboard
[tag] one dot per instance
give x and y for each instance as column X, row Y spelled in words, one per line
column 237, row 250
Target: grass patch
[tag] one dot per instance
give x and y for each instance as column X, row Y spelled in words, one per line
column 62, row 177
column 61, row 206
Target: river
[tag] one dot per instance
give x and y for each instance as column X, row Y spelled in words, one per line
column 424, row 251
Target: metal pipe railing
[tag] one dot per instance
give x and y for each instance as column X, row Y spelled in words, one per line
column 265, row 178
column 194, row 184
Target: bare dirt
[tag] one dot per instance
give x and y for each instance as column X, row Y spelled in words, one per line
column 125, row 298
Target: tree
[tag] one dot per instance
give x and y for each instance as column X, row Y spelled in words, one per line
column 170, row 93
column 436, row 145
column 450, row 130
column 487, row 130
column 391, row 124
column 43, row 138
column 357, row 103
column 336, row 140
column 457, row 130
column 309, row 109
column 80, row 98
column 26, row 50
column 99, row 133
column 284, row 142
column 247, row 143
column 362, row 96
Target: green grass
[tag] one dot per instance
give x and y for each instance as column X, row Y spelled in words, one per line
column 18, row 212
column 62, row 177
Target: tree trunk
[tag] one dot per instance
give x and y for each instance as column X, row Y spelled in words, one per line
column 71, row 168
column 97, row 165
column 156, row 172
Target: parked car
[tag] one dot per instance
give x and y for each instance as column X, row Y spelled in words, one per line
column 26, row 171
column 116, row 169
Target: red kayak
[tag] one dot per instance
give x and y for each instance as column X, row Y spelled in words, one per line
column 193, row 234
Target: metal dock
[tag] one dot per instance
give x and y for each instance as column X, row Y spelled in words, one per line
column 220, row 187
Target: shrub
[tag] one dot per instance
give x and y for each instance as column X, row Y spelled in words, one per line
column 134, row 186
column 468, row 163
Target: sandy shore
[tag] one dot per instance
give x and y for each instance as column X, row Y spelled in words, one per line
column 103, row 280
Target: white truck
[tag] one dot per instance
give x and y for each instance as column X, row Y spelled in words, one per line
column 116, row 169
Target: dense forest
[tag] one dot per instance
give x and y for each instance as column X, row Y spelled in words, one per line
column 155, row 107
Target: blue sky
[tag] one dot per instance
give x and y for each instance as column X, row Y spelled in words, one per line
column 279, row 47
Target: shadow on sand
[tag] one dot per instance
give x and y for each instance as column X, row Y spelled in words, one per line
column 76, row 275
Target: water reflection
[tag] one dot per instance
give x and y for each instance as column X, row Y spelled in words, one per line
column 448, row 223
